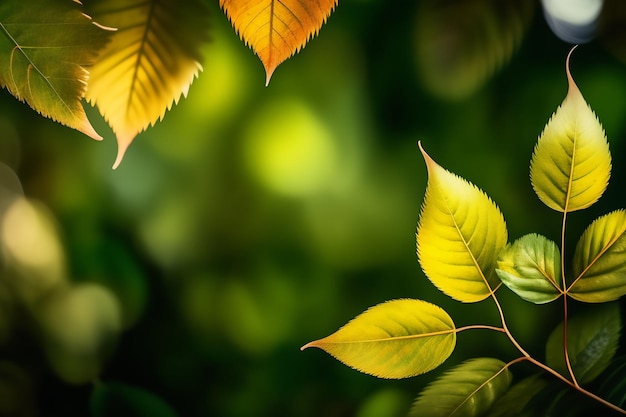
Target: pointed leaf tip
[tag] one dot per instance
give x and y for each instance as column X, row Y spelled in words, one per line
column 421, row 148
column 88, row 130
column 123, row 142
column 570, row 80
column 268, row 75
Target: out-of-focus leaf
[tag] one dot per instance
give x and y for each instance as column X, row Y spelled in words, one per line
column 600, row 260
column 613, row 386
column 459, row 235
column 461, row 44
column 396, row 339
column 556, row 399
column 150, row 63
column 513, row 402
column 571, row 163
column 277, row 29
column 592, row 340
column 45, row 49
column 531, row 268
column 115, row 399
column 468, row 390
column 390, row 402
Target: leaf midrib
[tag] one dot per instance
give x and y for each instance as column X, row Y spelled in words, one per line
column 396, row 338
column 32, row 64
column 140, row 55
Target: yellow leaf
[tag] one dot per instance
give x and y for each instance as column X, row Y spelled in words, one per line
column 46, row 49
column 277, row 29
column 150, row 62
column 571, row 163
column 600, row 260
column 460, row 233
column 396, row 339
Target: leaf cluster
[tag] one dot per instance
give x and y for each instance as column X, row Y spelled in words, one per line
column 463, row 248
column 132, row 59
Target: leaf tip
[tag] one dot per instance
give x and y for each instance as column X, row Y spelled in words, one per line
column 314, row 344
column 269, row 70
column 92, row 133
column 88, row 130
column 573, row 88
column 123, row 142
column 429, row 161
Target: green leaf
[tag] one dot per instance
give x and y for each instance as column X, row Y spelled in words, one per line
column 613, row 387
column 150, row 63
column 468, row 390
column 396, row 339
column 46, row 47
column 531, row 268
column 514, row 401
column 459, row 235
column 113, row 399
column 571, row 163
column 592, row 340
column 558, row 400
column 600, row 260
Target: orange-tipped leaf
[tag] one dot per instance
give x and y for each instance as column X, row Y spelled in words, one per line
column 277, row 29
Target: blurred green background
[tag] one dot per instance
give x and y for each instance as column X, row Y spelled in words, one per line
column 255, row 219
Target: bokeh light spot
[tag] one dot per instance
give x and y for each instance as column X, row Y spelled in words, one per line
column 80, row 325
column 573, row 21
column 289, row 149
column 29, row 238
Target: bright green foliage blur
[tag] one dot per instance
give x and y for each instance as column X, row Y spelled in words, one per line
column 253, row 219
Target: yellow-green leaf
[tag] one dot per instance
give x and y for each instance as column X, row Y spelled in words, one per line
column 592, row 340
column 396, row 339
column 468, row 390
column 459, row 235
column 277, row 29
column 45, row 49
column 600, row 260
column 531, row 268
column 515, row 400
column 571, row 163
column 150, row 63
